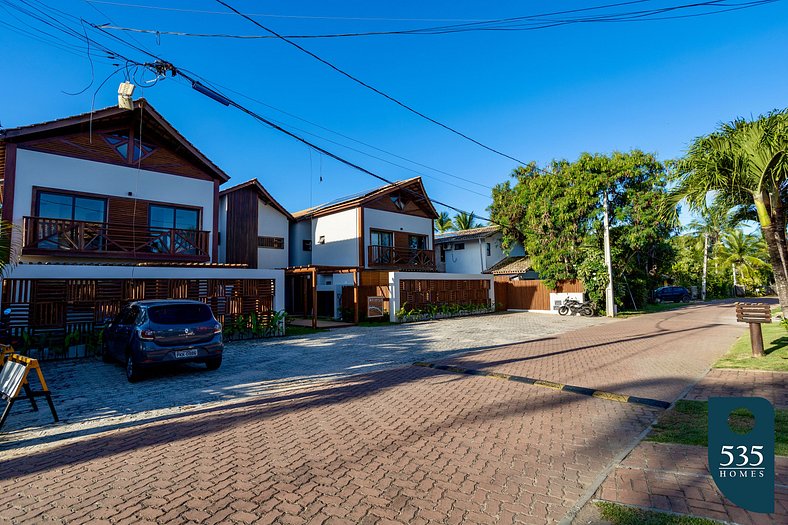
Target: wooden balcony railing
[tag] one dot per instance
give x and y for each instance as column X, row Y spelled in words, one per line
column 43, row 236
column 401, row 258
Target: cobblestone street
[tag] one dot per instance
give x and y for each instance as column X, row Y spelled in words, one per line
column 90, row 394
column 400, row 445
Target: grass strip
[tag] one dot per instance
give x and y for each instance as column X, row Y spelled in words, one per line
column 687, row 424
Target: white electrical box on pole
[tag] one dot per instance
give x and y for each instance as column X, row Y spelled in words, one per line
column 610, row 304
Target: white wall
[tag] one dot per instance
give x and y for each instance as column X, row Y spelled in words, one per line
column 271, row 223
column 65, row 173
column 341, row 239
column 471, row 259
column 468, row 260
column 386, row 220
column 299, row 231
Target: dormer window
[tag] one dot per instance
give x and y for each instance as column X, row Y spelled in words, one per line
column 398, row 202
column 120, row 142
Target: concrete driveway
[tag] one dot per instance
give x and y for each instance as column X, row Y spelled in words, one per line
column 91, row 395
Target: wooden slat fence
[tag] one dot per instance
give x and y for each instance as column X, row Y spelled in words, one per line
column 54, row 308
column 529, row 294
column 421, row 292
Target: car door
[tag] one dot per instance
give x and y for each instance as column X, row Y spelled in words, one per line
column 121, row 331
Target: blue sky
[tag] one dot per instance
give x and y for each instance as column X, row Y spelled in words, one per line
column 536, row 95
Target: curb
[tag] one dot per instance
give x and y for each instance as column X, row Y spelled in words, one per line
column 583, row 391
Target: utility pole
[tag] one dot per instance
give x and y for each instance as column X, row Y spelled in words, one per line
column 610, row 304
column 705, row 265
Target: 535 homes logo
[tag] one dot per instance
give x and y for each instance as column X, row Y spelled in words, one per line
column 742, row 464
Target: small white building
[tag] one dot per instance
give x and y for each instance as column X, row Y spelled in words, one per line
column 254, row 229
column 471, row 251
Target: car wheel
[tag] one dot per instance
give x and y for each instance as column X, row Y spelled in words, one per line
column 213, row 363
column 563, row 310
column 657, row 300
column 685, row 298
column 133, row 373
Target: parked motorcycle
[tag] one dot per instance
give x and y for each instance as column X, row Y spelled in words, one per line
column 573, row 306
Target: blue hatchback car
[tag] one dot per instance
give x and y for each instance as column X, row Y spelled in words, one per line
column 151, row 332
column 672, row 293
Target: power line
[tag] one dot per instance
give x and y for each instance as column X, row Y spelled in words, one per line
column 271, row 15
column 524, row 23
column 362, row 83
column 215, row 84
column 135, row 66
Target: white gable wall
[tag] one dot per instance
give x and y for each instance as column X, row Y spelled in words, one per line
column 474, row 259
column 272, row 223
column 45, row 170
column 340, row 232
column 386, row 220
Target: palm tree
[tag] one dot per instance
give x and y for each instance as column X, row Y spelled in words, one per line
column 743, row 254
column 9, row 249
column 465, row 221
column 746, row 163
column 707, row 230
column 443, row 223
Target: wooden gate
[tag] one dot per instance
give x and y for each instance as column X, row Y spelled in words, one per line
column 529, row 294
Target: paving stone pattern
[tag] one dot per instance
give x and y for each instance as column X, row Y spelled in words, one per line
column 676, row 478
column 743, row 383
column 88, row 392
column 654, row 356
column 405, row 445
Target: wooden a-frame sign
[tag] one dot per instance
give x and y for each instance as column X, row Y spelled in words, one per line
column 13, row 381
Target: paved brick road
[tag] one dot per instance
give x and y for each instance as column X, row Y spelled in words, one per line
column 89, row 393
column 676, row 478
column 655, row 356
column 409, row 445
column 720, row 382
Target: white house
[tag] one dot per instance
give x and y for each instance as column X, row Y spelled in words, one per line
column 358, row 239
column 254, row 229
column 471, row 251
column 112, row 206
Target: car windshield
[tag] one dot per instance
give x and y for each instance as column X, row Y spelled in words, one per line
column 180, row 314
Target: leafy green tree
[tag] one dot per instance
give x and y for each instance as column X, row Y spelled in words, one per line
column 744, row 255
column 465, row 221
column 443, row 223
column 556, row 214
column 745, row 164
column 714, row 221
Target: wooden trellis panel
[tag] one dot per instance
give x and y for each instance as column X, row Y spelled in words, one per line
column 63, row 306
column 420, row 292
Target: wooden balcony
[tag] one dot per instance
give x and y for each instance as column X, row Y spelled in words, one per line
column 394, row 257
column 59, row 237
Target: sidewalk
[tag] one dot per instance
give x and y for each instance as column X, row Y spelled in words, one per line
column 675, row 477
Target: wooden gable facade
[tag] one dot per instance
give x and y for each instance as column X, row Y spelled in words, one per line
column 139, row 139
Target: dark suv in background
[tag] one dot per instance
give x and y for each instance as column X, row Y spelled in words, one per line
column 152, row 332
column 672, row 293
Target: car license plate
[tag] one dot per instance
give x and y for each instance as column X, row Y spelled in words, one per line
column 183, row 354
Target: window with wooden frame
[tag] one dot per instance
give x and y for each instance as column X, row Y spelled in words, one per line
column 277, row 243
column 119, row 141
